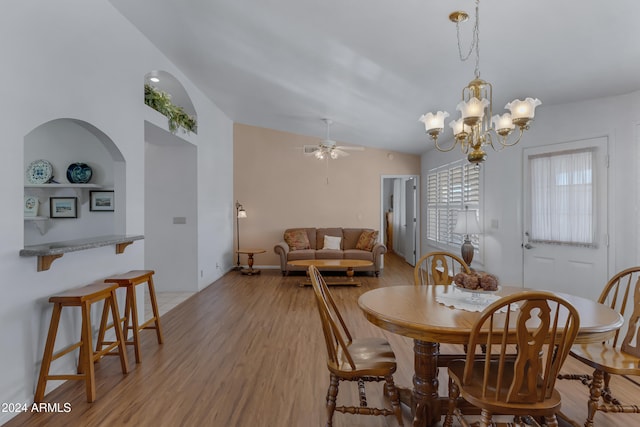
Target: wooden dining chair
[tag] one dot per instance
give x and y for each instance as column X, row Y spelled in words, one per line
column 438, row 268
column 528, row 336
column 353, row 359
column 618, row 356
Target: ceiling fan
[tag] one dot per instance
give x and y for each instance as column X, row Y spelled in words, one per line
column 328, row 149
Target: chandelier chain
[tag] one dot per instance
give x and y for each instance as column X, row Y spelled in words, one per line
column 475, row 41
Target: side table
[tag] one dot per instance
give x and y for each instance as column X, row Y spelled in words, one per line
column 250, row 252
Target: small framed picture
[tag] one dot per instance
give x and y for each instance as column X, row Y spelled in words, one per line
column 30, row 206
column 63, row 207
column 102, row 201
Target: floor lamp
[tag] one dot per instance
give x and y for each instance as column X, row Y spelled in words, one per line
column 240, row 213
column 467, row 224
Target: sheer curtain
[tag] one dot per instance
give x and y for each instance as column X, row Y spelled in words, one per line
column 562, row 198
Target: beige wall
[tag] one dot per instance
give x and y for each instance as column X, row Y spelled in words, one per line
column 281, row 188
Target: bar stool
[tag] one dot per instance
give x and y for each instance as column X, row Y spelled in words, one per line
column 129, row 281
column 82, row 297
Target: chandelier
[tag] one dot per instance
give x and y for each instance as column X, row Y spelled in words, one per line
column 477, row 126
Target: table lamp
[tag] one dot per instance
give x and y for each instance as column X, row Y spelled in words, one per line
column 467, row 224
column 240, row 213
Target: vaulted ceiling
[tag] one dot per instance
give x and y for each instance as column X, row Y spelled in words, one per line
column 374, row 66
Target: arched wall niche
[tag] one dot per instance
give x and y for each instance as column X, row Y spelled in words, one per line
column 166, row 82
column 62, row 142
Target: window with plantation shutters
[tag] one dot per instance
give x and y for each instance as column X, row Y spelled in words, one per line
column 449, row 189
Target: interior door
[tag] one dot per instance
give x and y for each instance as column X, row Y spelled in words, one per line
column 574, row 269
column 410, row 221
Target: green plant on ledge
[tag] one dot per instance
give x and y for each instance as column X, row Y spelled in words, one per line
column 161, row 102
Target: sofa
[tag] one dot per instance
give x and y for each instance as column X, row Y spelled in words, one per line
column 330, row 243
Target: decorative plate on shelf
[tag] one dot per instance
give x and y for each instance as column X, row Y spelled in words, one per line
column 39, row 172
column 79, row 173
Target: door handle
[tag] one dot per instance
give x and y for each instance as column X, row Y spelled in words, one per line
column 527, row 245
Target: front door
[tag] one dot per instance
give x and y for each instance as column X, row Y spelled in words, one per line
column 549, row 263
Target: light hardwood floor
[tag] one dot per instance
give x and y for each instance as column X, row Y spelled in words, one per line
column 249, row 351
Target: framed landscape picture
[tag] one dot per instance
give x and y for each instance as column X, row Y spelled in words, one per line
column 102, row 201
column 63, row 207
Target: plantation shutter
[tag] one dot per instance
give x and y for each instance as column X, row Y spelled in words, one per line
column 449, row 189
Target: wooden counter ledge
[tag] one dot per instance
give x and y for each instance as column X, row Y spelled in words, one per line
column 49, row 252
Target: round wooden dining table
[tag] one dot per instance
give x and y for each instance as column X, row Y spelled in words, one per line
column 414, row 312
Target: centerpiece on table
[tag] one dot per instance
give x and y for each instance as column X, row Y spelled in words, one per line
column 476, row 281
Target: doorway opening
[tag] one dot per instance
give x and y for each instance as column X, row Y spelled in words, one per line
column 399, row 213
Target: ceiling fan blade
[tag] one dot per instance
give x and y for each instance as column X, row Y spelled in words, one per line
column 350, row 148
column 310, row 149
column 339, row 152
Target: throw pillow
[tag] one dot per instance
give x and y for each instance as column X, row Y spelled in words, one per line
column 331, row 242
column 297, row 240
column 367, row 240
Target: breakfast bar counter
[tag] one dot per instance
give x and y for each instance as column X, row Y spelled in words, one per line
column 48, row 252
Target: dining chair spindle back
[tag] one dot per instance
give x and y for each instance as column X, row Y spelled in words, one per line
column 618, row 356
column 353, row 359
column 438, row 268
column 528, row 336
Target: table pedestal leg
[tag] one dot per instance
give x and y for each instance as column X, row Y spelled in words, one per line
column 425, row 384
column 250, row 271
column 350, row 273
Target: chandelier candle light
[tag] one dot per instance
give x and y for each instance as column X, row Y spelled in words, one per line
column 477, row 125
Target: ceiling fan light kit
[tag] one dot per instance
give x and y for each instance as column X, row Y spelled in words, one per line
column 328, row 149
column 477, row 126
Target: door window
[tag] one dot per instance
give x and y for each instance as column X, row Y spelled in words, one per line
column 562, row 198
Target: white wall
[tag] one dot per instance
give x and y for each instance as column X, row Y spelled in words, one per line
column 81, row 59
column 171, row 232
column 216, row 204
column 617, row 118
